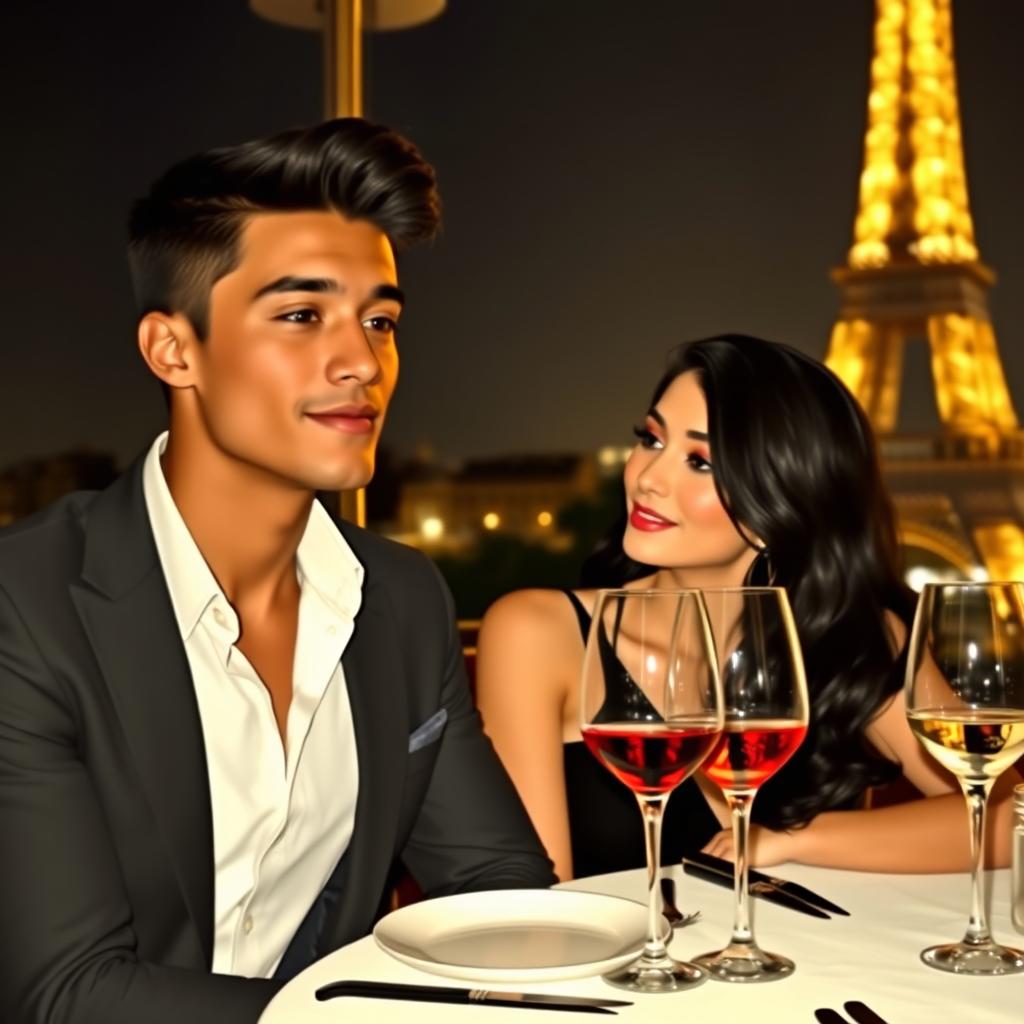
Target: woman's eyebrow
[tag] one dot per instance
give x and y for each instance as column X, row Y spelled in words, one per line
column 694, row 435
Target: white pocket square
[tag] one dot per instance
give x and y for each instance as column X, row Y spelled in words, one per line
column 429, row 731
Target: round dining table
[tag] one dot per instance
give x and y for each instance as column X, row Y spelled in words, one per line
column 872, row 956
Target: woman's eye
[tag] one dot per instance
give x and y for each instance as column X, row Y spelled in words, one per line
column 299, row 316
column 698, row 463
column 646, row 438
column 380, row 324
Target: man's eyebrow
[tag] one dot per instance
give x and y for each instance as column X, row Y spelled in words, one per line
column 389, row 291
column 298, row 284
column 289, row 283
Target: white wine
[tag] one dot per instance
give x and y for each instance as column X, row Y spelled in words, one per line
column 972, row 744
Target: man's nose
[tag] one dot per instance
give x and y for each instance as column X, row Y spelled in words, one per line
column 351, row 355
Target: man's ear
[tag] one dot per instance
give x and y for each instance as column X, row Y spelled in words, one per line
column 168, row 344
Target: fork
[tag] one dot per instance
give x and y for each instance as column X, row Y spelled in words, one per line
column 675, row 917
column 861, row 1013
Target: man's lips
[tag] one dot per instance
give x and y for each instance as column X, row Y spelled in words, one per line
column 347, row 419
column 646, row 519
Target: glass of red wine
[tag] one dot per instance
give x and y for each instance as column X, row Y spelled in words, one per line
column 650, row 712
column 766, row 715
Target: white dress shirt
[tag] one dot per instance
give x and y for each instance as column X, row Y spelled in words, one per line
column 282, row 815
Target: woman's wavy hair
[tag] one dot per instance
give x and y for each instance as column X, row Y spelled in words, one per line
column 795, row 464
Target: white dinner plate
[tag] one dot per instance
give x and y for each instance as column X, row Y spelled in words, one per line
column 517, row 934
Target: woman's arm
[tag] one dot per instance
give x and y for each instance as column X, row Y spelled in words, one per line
column 525, row 653
column 925, row 835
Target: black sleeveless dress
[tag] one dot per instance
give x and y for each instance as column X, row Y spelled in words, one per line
column 605, row 827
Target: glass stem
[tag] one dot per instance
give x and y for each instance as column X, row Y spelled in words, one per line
column 739, row 804
column 652, row 808
column 977, row 798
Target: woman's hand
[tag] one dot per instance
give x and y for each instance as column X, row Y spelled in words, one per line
column 764, row 849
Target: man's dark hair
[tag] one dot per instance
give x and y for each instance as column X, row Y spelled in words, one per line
column 183, row 236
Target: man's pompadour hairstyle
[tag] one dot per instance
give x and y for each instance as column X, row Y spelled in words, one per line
column 183, row 236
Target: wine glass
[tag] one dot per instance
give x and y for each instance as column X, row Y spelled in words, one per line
column 965, row 703
column 766, row 713
column 650, row 712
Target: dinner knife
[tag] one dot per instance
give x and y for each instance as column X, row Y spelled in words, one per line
column 801, row 892
column 761, row 889
column 861, row 1013
column 444, row 994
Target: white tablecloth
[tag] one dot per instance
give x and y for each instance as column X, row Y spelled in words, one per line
column 872, row 956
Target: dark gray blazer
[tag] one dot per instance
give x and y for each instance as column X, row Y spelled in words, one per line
column 106, row 849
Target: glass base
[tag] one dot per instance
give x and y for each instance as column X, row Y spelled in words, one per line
column 975, row 958
column 647, row 974
column 743, row 962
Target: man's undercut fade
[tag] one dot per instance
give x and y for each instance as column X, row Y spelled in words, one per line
column 184, row 236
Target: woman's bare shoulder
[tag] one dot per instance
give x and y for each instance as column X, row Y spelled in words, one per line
column 523, row 615
column 529, row 643
column 897, row 630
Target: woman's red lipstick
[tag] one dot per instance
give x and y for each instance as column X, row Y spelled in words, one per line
column 642, row 518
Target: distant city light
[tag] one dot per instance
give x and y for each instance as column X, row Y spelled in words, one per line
column 610, row 456
column 918, row 576
column 545, row 519
column 492, row 521
column 432, row 528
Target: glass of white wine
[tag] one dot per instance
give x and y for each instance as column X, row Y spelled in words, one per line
column 965, row 702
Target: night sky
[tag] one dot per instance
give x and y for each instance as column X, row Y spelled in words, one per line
column 612, row 186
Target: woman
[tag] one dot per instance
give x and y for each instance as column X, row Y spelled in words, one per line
column 754, row 465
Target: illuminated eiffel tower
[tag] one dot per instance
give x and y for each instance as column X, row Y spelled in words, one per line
column 914, row 275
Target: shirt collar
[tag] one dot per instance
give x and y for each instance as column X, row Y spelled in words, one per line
column 326, row 563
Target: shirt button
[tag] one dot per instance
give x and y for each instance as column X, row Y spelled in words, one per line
column 219, row 617
column 247, row 924
column 332, row 630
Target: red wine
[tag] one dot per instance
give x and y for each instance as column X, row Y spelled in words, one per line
column 750, row 753
column 652, row 757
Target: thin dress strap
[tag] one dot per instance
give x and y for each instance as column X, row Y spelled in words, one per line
column 624, row 698
column 581, row 613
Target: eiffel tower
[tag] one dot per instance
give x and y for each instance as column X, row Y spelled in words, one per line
column 914, row 275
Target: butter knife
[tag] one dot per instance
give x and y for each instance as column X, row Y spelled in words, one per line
column 444, row 994
column 760, row 889
column 801, row 892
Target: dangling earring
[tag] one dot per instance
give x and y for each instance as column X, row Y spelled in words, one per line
column 761, row 572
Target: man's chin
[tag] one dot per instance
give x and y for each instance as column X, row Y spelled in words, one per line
column 349, row 478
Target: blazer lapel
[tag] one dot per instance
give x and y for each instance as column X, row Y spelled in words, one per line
column 376, row 691
column 126, row 610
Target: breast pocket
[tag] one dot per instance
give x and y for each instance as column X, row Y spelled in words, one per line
column 424, row 745
column 429, row 732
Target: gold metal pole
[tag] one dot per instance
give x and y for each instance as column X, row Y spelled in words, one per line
column 343, row 97
column 343, row 58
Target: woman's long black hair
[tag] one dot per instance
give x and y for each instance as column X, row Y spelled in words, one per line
column 795, row 464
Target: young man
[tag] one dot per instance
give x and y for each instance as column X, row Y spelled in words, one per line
column 222, row 716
